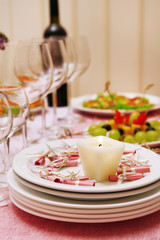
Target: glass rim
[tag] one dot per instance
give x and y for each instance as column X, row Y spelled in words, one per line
column 11, row 87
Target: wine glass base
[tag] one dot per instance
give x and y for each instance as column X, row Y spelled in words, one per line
column 3, row 179
column 71, row 120
column 51, row 133
column 55, row 132
column 34, row 134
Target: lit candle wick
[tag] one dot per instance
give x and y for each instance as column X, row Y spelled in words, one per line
column 100, row 145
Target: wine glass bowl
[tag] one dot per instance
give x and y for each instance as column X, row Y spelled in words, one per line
column 19, row 105
column 72, row 57
column 11, row 87
column 34, row 68
column 83, row 55
column 60, row 62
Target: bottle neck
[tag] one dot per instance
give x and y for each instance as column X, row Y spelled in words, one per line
column 54, row 13
column 55, row 19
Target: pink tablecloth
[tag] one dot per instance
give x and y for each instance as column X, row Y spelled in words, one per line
column 16, row 224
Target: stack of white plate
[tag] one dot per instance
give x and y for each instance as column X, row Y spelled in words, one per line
column 104, row 202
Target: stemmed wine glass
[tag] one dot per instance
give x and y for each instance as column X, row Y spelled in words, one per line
column 18, row 105
column 34, row 69
column 64, row 59
column 10, row 86
column 60, row 62
column 71, row 61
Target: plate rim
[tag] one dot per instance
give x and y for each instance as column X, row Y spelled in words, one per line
column 24, row 173
column 89, row 196
column 101, row 204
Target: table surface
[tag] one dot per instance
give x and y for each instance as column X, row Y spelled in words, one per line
column 17, row 224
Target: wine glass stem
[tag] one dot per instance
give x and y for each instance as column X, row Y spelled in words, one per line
column 54, row 103
column 69, row 95
column 24, row 135
column 6, row 160
column 43, row 115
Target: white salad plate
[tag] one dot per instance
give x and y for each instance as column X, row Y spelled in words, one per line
column 51, row 200
column 77, row 104
column 23, row 166
column 88, row 196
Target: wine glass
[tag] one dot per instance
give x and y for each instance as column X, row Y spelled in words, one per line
column 5, row 128
column 57, row 131
column 10, row 86
column 60, row 61
column 19, row 106
column 72, row 63
column 34, row 69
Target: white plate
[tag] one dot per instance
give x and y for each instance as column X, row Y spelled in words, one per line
column 22, row 168
column 77, row 104
column 51, row 200
column 87, row 196
column 41, row 213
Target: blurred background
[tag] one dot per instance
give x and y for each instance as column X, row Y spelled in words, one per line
column 123, row 35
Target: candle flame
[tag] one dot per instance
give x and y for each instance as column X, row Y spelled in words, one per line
column 100, row 140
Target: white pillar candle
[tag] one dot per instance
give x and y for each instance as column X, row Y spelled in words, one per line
column 100, row 156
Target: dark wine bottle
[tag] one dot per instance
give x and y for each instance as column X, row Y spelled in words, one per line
column 56, row 30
